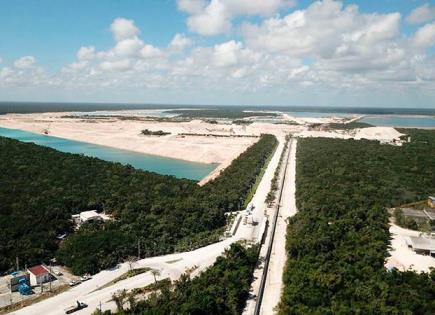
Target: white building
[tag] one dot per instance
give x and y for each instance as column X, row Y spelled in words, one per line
column 88, row 216
column 38, row 274
column 421, row 245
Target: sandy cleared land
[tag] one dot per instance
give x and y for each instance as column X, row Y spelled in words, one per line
column 382, row 134
column 404, row 258
column 126, row 134
column 314, row 120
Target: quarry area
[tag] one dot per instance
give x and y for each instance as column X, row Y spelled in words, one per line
column 216, row 141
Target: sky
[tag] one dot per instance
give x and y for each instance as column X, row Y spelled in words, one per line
column 371, row 53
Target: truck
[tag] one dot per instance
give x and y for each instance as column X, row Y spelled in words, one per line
column 74, row 308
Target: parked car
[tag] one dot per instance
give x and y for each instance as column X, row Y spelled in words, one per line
column 74, row 283
column 86, row 277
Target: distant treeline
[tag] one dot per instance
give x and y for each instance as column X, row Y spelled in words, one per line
column 218, row 113
column 221, row 289
column 351, row 125
column 242, row 122
column 337, row 242
column 41, row 187
column 216, row 135
column 123, row 117
column 148, row 132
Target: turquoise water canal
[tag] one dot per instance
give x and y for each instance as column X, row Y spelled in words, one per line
column 146, row 162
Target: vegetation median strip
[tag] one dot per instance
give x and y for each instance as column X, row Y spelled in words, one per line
column 129, row 274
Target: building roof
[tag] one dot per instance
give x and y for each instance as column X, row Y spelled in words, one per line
column 432, row 198
column 87, row 215
column 422, row 243
column 38, row 270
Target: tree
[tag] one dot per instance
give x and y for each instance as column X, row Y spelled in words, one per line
column 155, row 273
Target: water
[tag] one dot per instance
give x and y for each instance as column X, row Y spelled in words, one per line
column 377, row 120
column 146, row 162
column 161, row 113
column 400, row 121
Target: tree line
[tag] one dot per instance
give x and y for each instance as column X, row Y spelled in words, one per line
column 40, row 188
column 338, row 241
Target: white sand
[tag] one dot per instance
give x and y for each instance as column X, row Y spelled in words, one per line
column 386, row 134
column 404, row 258
column 126, row 134
column 382, row 134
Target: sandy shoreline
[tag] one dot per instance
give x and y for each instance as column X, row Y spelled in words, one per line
column 126, row 135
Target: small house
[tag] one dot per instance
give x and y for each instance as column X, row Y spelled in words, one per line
column 38, row 274
column 421, row 245
column 431, row 202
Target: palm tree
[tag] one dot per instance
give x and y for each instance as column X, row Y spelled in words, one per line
column 119, row 298
column 155, row 273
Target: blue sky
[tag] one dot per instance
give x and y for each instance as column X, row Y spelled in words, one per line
column 53, row 30
column 228, row 53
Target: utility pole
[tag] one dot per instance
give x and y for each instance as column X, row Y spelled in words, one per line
column 138, row 248
column 16, row 260
column 50, row 275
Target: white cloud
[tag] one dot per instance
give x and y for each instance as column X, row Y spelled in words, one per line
column 129, row 47
column 326, row 46
column 257, row 7
column 86, row 53
column 76, row 66
column 191, row 6
column 149, row 51
column 215, row 17
column 213, row 20
column 323, row 29
column 25, row 62
column 425, row 36
column 123, row 29
column 179, row 42
column 232, row 53
column 421, row 14
column 119, row 65
column 226, row 54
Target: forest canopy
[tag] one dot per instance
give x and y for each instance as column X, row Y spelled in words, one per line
column 338, row 241
column 40, row 188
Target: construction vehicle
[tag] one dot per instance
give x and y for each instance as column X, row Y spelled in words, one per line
column 74, row 308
